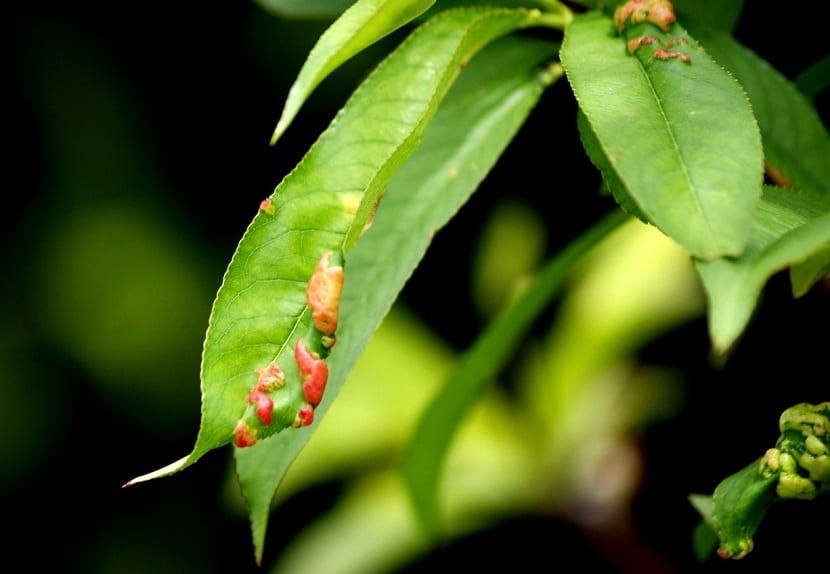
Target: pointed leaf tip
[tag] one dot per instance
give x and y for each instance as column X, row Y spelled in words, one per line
column 171, row 468
column 360, row 26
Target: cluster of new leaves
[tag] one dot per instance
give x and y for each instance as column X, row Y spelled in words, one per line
column 797, row 467
column 681, row 120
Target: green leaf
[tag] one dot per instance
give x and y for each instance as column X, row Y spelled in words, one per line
column 469, row 133
column 737, row 508
column 815, row 78
column 324, row 205
column 426, row 192
column 796, row 143
column 478, row 367
column 363, row 24
column 807, row 273
column 663, row 125
column 594, row 151
column 791, row 226
column 797, row 468
column 704, row 538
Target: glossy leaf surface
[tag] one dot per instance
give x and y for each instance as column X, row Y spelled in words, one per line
column 364, row 23
column 663, row 122
column 471, row 132
column 791, row 226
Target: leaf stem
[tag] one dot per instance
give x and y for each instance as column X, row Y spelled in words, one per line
column 556, row 14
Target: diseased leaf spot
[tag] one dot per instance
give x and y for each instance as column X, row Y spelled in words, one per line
column 313, row 371
column 636, row 43
column 264, row 405
column 323, row 294
column 270, row 377
column 658, row 12
column 662, row 54
column 267, row 206
column 305, row 416
column 245, row 436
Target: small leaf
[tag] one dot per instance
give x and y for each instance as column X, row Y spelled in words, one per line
column 739, row 504
column 663, row 116
column 807, row 273
column 363, row 24
column 704, row 538
column 791, row 226
column 815, row 79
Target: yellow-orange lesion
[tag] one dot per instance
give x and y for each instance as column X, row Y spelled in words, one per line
column 323, row 294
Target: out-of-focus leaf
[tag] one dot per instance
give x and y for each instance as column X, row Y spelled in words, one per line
column 723, row 15
column 581, row 387
column 479, row 366
column 790, row 227
column 815, row 78
column 363, row 24
column 305, row 8
column 796, row 143
column 492, row 473
column 663, row 116
column 704, row 538
column 807, row 273
column 510, row 246
column 737, row 508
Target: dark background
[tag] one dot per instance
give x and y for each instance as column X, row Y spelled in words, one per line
column 200, row 86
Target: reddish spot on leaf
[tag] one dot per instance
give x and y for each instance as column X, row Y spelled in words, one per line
column 264, row 405
column 245, row 436
column 268, row 206
column 323, row 294
column 658, row 12
column 313, row 371
column 635, row 44
column 270, row 377
column 305, row 416
column 672, row 54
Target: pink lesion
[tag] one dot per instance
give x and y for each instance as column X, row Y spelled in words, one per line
column 264, row 405
column 314, row 373
column 636, row 43
column 269, row 377
column 305, row 416
column 267, row 206
column 662, row 54
column 323, row 294
column 658, row 12
column 244, row 435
